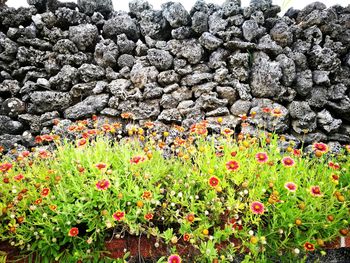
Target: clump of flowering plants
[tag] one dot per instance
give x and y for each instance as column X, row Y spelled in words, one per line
column 222, row 194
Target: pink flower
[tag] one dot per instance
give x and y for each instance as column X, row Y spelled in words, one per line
column 322, row 147
column 291, row 187
column 174, row 259
column 288, row 162
column 261, row 157
column 257, row 208
column 232, row 165
column 315, row 190
column 119, row 215
column 102, row 184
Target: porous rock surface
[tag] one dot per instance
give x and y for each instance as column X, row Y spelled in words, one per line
column 70, row 61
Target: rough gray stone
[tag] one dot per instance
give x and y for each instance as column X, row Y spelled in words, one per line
column 44, row 101
column 65, row 46
column 321, row 77
column 200, row 22
column 106, row 53
column 228, row 93
column 90, row 72
column 241, row 107
column 65, row 79
column 168, row 77
column 82, row 89
column 288, row 69
column 10, row 86
column 140, row 75
column 175, row 14
column 12, row 107
column 126, row 60
column 84, row 36
column 210, row 41
column 281, row 34
column 196, row 78
column 154, row 25
column 121, row 24
column 304, row 82
column 251, row 30
column 91, row 105
column 216, row 23
column 170, row 115
column 327, row 122
column 265, row 77
column 305, row 118
column 91, row 6
column 161, row 59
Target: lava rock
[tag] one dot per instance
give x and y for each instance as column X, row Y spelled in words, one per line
column 209, row 41
column 89, row 7
column 90, row 72
column 84, row 36
column 161, row 59
column 65, row 79
column 200, row 22
column 106, row 53
column 241, row 107
column 91, row 105
column 44, row 101
column 12, row 107
column 121, row 24
column 304, row 118
column 175, row 14
column 327, row 122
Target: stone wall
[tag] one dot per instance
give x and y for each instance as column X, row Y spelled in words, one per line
column 70, row 61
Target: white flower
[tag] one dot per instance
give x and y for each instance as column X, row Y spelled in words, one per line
column 156, row 244
column 179, row 194
column 68, row 223
column 89, row 241
column 14, row 191
column 44, row 215
column 296, row 251
column 88, row 251
column 172, row 193
column 12, row 243
column 245, row 191
column 263, row 190
column 251, row 232
column 280, row 231
column 54, row 240
column 206, row 212
column 197, row 197
column 12, row 215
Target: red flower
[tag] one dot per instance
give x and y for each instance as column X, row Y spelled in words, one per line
column 100, row 166
column 74, row 231
column 213, row 181
column 261, row 157
column 288, row 162
column 187, row 237
column 45, row 192
column 315, row 190
column 233, row 154
column 232, row 165
column 309, row 246
column 102, row 184
column 266, row 109
column 137, row 159
column 18, row 177
column 257, row 208
column 174, row 259
column 5, row 167
column 334, row 166
column 227, row 132
column 119, row 215
column 148, row 216
column 296, row 152
column 290, row 186
column 235, row 225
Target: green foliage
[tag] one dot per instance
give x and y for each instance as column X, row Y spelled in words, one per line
column 107, row 188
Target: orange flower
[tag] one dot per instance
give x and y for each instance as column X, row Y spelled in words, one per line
column 276, row 112
column 81, row 142
column 147, row 195
column 315, row 190
column 190, row 218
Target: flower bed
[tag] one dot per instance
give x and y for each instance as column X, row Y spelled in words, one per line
column 217, row 196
